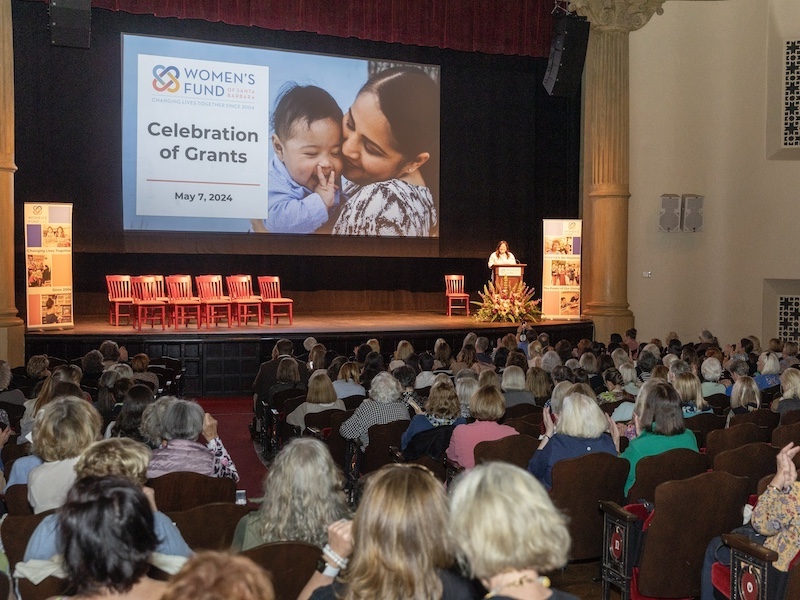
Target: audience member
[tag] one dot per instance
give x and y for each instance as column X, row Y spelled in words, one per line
column 219, row 576
column 267, row 372
column 347, row 384
column 711, row 370
column 441, row 409
column 426, row 375
column 321, row 396
column 129, row 420
column 513, row 387
column 745, row 397
column 692, row 402
column 384, row 406
column 790, row 399
column 302, row 496
column 139, row 364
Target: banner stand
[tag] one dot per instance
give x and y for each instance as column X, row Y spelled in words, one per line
column 561, row 269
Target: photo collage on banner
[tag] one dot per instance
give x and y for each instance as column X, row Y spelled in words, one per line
column 48, row 261
column 561, row 271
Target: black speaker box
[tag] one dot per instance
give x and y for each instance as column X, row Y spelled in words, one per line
column 567, row 55
column 70, row 23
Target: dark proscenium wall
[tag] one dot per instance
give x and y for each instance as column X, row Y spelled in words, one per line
column 510, row 157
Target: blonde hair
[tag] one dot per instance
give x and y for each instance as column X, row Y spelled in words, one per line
column 400, row 537
column 660, row 371
column 628, row 372
column 320, row 388
column 219, row 576
column 488, row 377
column 115, row 456
column 404, row 350
column 581, row 417
column 349, row 371
column 688, row 387
column 745, row 391
column 487, row 404
column 538, row 383
column 374, row 344
column 790, row 380
column 302, row 494
column 513, row 378
column 65, row 427
column 287, row 371
column 559, row 391
column 502, row 519
column 443, row 401
column 619, row 356
column 771, row 364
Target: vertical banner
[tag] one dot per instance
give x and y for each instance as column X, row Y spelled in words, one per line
column 48, row 263
column 561, row 271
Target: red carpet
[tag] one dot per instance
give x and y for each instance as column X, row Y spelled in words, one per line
column 235, row 415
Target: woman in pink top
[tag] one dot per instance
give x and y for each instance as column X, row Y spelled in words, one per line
column 487, row 406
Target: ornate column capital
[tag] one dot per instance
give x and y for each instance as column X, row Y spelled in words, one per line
column 617, row 15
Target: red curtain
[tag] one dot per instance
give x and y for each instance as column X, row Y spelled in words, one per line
column 519, row 27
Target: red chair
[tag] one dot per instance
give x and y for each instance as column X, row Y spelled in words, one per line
column 456, row 298
column 214, row 304
column 119, row 296
column 146, row 303
column 179, row 292
column 270, row 288
column 246, row 304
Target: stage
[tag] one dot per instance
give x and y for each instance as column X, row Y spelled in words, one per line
column 224, row 360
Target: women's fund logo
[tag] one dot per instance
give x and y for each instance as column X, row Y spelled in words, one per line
column 197, row 82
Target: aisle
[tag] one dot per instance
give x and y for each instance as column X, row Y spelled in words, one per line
column 235, row 415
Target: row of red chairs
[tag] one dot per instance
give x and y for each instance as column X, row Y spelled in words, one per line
column 171, row 301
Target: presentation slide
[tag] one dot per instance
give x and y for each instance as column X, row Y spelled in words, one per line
column 222, row 138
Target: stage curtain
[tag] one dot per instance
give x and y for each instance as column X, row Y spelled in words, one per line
column 513, row 27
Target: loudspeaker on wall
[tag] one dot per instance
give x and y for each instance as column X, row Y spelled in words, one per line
column 70, row 23
column 692, row 212
column 567, row 55
column 669, row 218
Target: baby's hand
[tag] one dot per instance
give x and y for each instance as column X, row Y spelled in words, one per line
column 326, row 188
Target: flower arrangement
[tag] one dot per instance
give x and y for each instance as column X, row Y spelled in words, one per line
column 515, row 304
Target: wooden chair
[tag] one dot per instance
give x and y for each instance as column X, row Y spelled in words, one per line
column 524, row 426
column 214, row 305
column 520, row 410
column 672, row 465
column 764, row 418
column 354, row 401
column 184, row 490
column 246, row 304
column 790, row 417
column 381, row 438
column 182, row 300
column 673, row 540
column 17, row 500
column 579, row 484
column 270, row 288
column 160, row 288
column 320, row 421
column 290, row 565
column 195, row 525
column 120, row 297
column 719, row 402
column 455, row 295
column 721, row 440
column 786, row 433
column 146, row 304
column 177, row 367
column 702, row 424
column 752, row 461
column 15, row 533
column 514, row 449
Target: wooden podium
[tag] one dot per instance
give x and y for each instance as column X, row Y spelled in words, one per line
column 508, row 276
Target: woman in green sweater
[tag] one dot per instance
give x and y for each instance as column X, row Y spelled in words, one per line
column 659, row 427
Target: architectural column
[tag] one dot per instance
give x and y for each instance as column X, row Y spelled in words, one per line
column 12, row 330
column 606, row 159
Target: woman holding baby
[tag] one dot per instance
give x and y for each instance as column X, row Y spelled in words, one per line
column 390, row 139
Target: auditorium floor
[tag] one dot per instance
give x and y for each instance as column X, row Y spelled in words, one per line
column 578, row 580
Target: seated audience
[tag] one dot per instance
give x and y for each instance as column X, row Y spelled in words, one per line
column 316, row 358
column 513, row 387
column 112, row 353
column 385, row 405
column 287, row 377
column 61, row 432
column 769, row 368
column 614, row 392
column 746, row 397
column 507, row 532
column 61, row 373
column 789, row 359
column 396, row 547
column 660, row 427
column 630, row 379
column 441, row 409
column 139, row 364
column 347, row 384
column 466, row 386
column 581, row 430
column 407, row 377
column 302, row 496
column 711, row 370
column 403, row 351
column 487, row 407
column 107, row 535
column 182, row 424
column 92, row 367
column 692, row 402
column 151, row 427
column 443, row 356
column 790, row 399
column 38, row 369
column 129, row 420
column 123, row 458
column 426, row 375
column 321, row 396
column 220, row 576
column 467, row 359
column 539, row 384
column 373, row 364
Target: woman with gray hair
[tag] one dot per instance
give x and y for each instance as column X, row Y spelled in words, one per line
column 550, row 361
column 181, row 426
column 383, row 406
